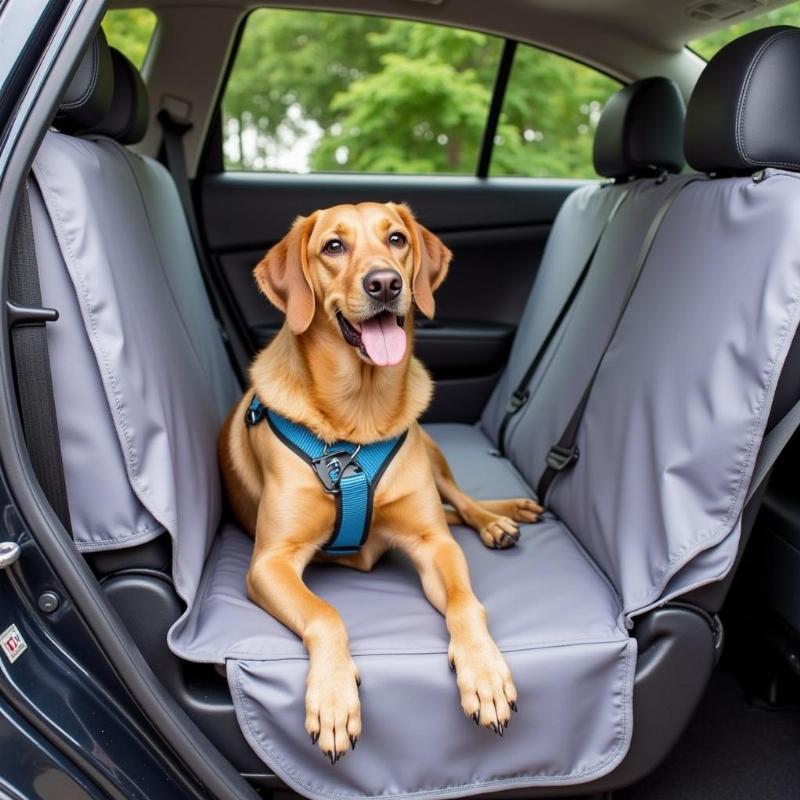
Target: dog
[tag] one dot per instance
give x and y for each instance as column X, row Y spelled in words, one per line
column 347, row 279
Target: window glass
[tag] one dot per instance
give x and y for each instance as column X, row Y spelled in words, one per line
column 314, row 91
column 707, row 46
column 130, row 31
column 549, row 115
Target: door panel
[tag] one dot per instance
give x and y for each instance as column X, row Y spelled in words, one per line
column 496, row 229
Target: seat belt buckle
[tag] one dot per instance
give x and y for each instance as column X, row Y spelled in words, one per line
column 517, row 400
column 331, row 467
column 559, row 458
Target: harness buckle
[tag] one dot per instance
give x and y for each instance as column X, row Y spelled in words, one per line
column 559, row 458
column 332, row 467
column 255, row 412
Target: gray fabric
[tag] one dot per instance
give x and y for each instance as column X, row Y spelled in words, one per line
column 564, row 372
column 670, row 434
column 572, row 238
column 154, row 376
column 85, row 424
column 557, row 620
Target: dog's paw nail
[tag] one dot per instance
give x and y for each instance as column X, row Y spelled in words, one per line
column 353, row 741
column 314, row 737
column 493, row 728
column 452, row 666
column 358, row 681
column 507, row 539
column 330, row 756
column 475, row 718
column 513, row 707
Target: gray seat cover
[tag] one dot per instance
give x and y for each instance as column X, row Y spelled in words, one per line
column 573, row 236
column 680, row 404
column 160, row 362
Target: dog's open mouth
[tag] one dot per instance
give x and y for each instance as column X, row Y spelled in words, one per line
column 381, row 339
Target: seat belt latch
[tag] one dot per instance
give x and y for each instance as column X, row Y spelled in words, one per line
column 517, row 400
column 559, row 458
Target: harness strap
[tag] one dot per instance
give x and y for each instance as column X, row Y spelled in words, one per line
column 348, row 471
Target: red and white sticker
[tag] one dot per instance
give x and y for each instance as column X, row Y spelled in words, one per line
column 12, row 643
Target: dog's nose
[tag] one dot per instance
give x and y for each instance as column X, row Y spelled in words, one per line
column 383, row 284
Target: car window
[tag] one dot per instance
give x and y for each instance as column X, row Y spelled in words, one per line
column 707, row 46
column 314, row 91
column 130, row 30
column 549, row 115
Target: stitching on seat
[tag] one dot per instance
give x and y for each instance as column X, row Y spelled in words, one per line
column 740, row 107
column 90, row 546
column 92, row 79
column 607, row 763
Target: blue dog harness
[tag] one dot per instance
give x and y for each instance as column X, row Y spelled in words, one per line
column 348, row 471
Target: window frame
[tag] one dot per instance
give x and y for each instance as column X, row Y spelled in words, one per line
column 212, row 162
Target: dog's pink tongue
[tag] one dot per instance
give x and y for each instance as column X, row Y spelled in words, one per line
column 384, row 340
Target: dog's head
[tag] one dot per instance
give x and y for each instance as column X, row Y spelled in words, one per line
column 359, row 268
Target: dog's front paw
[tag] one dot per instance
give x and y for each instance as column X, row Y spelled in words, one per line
column 488, row 694
column 499, row 532
column 333, row 709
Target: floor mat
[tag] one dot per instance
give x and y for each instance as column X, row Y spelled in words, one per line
column 732, row 750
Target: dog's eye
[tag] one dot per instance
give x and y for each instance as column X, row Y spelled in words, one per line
column 334, row 247
column 397, row 239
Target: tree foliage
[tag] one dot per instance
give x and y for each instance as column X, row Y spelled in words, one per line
column 130, row 31
column 323, row 91
column 708, row 45
column 377, row 95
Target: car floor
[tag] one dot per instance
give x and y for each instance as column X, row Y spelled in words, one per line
column 734, row 749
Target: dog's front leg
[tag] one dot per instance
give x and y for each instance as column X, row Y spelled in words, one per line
column 488, row 694
column 333, row 710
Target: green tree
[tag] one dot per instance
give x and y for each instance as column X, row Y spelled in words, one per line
column 130, row 31
column 707, row 46
column 381, row 95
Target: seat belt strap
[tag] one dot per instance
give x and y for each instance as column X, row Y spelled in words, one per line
column 521, row 394
column 175, row 161
column 565, row 453
column 772, row 445
column 32, row 365
column 348, row 471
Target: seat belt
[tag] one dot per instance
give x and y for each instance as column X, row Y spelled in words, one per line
column 34, row 383
column 175, row 161
column 772, row 445
column 521, row 394
column 565, row 453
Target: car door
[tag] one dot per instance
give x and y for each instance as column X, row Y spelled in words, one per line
column 459, row 125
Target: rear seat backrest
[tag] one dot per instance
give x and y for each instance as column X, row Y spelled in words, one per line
column 140, row 375
column 672, row 429
column 639, row 136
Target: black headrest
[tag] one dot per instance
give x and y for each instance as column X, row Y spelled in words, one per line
column 107, row 96
column 640, row 131
column 744, row 113
column 126, row 121
column 88, row 96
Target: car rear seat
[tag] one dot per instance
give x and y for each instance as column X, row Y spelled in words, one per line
column 667, row 445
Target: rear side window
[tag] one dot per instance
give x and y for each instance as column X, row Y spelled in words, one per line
column 549, row 116
column 130, row 31
column 314, row 91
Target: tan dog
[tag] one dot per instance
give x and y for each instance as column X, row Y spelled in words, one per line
column 342, row 366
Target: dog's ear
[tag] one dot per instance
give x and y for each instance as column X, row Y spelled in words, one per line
column 283, row 275
column 431, row 261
